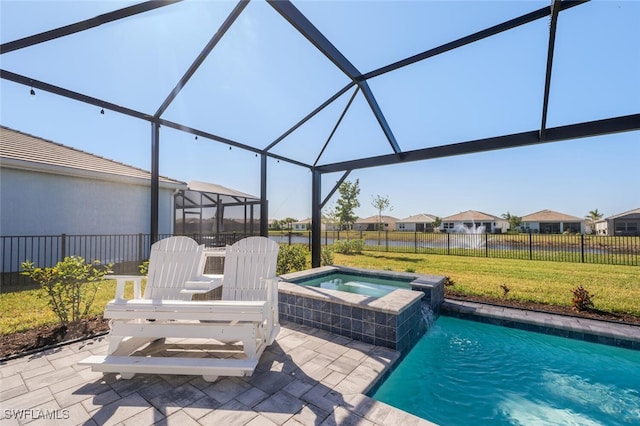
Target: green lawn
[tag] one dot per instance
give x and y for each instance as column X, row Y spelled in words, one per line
column 615, row 288
column 26, row 309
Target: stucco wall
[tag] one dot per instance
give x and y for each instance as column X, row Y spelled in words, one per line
column 34, row 203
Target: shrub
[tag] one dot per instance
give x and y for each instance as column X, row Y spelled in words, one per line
column 144, row 267
column 349, row 247
column 326, row 257
column 291, row 258
column 71, row 285
column 581, row 300
column 448, row 282
column 410, row 269
column 505, row 290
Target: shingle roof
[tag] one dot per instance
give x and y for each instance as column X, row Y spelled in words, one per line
column 549, row 216
column 21, row 150
column 472, row 215
column 633, row 214
column 374, row 219
column 418, row 218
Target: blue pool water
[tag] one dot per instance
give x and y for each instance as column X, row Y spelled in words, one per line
column 465, row 372
column 360, row 284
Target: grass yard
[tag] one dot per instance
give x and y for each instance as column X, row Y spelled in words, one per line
column 614, row 288
column 26, row 309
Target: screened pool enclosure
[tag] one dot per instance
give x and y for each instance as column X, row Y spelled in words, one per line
column 329, row 87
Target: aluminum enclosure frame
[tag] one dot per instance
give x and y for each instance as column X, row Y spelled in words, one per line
column 358, row 83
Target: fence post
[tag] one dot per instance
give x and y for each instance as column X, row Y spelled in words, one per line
column 415, row 242
column 63, row 246
column 140, row 248
column 289, row 238
column 530, row 247
column 582, row 247
column 448, row 243
column 486, row 244
column 386, row 240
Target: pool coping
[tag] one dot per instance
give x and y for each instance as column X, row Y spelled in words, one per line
column 590, row 330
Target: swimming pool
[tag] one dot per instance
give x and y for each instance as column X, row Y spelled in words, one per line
column 465, row 372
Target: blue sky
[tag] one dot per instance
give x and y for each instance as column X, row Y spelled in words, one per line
column 263, row 77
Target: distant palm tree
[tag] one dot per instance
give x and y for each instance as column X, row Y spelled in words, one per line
column 514, row 221
column 592, row 217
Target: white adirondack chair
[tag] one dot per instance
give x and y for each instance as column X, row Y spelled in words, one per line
column 247, row 313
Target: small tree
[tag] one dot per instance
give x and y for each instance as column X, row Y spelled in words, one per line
column 71, row 285
column 288, row 222
column 592, row 217
column 380, row 204
column 514, row 221
column 347, row 203
column 436, row 224
column 330, row 217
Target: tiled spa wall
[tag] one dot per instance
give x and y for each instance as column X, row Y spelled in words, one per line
column 395, row 321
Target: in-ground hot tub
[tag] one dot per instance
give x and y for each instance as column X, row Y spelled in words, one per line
column 383, row 308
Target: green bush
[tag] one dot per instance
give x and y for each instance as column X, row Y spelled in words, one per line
column 326, row 256
column 71, row 285
column 144, row 267
column 349, row 247
column 291, row 258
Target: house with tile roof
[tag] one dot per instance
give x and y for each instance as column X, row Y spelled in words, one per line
column 370, row 223
column 472, row 218
column 47, row 188
column 551, row 222
column 626, row 223
column 417, row 223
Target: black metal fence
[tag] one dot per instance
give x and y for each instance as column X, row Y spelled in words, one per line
column 127, row 252
column 613, row 250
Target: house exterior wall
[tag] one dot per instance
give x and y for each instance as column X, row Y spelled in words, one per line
column 491, row 227
column 300, row 226
column 627, row 225
column 406, row 226
column 36, row 203
column 366, row 226
column 557, row 227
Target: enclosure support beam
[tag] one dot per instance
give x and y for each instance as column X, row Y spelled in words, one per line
column 155, row 179
column 316, row 218
column 264, row 207
column 555, row 9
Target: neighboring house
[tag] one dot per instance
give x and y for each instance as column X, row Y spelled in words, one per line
column 627, row 223
column 551, row 222
column 388, row 223
column 470, row 218
column 302, row 225
column 47, row 188
column 417, row 223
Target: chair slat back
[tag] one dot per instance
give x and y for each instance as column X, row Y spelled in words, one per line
column 246, row 266
column 172, row 262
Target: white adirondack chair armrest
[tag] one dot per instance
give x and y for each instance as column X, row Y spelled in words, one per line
column 121, row 281
column 272, row 289
column 202, row 284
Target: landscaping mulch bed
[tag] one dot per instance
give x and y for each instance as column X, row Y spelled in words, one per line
column 560, row 310
column 50, row 335
column 46, row 336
